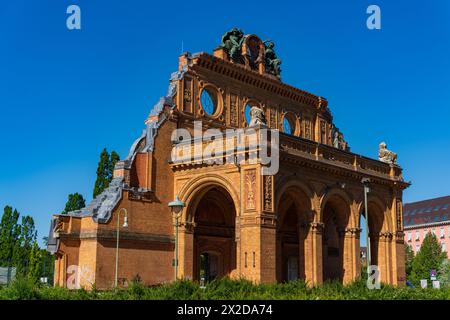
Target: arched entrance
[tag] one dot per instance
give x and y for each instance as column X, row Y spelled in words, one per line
column 376, row 222
column 292, row 231
column 214, row 251
column 335, row 217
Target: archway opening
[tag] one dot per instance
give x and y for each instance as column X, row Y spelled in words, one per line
column 375, row 224
column 336, row 214
column 291, row 234
column 214, row 235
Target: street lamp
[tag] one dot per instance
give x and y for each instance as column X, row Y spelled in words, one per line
column 365, row 182
column 125, row 225
column 176, row 206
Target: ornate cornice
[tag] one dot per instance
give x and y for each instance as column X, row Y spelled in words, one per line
column 265, row 82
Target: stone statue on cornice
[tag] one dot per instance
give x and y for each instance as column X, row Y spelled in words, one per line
column 232, row 43
column 257, row 117
column 272, row 61
column 386, row 155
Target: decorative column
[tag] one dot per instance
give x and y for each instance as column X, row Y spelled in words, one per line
column 398, row 244
column 384, row 256
column 313, row 254
column 351, row 259
column 257, row 227
column 186, row 250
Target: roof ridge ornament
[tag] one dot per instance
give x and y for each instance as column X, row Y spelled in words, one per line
column 250, row 51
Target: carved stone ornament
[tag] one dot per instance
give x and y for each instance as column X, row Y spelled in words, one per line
column 257, row 117
column 250, row 184
column 386, row 155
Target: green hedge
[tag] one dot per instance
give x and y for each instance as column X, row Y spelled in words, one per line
column 222, row 290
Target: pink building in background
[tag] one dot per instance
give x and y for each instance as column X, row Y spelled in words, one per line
column 422, row 217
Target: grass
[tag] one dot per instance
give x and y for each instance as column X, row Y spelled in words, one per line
column 225, row 289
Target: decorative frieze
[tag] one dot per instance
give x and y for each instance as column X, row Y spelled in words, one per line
column 250, row 189
column 268, row 193
column 234, row 120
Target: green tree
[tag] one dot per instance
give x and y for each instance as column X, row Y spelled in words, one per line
column 105, row 170
column 24, row 245
column 409, row 257
column 113, row 159
column 430, row 256
column 34, row 268
column 444, row 273
column 9, row 235
column 75, row 201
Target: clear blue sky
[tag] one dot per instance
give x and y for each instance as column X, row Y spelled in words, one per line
column 64, row 95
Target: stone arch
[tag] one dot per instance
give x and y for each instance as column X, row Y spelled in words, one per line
column 291, row 182
column 375, row 201
column 337, row 255
column 210, row 219
column 293, row 208
column 194, row 189
column 380, row 231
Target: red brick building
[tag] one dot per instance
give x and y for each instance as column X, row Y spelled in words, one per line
column 300, row 222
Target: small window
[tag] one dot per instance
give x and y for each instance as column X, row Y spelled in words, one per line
column 289, row 123
column 445, row 206
column 208, row 100
column 442, row 233
column 436, row 208
column 417, row 247
column 287, row 127
column 248, row 117
column 409, row 236
column 443, row 247
column 417, row 235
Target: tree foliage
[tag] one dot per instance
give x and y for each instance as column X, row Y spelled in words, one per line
column 74, row 202
column 409, row 257
column 429, row 257
column 9, row 234
column 444, row 273
column 105, row 170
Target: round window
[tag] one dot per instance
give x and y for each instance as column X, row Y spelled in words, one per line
column 248, row 117
column 208, row 100
column 288, row 124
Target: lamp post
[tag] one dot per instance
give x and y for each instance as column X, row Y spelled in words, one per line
column 125, row 225
column 365, row 182
column 176, row 206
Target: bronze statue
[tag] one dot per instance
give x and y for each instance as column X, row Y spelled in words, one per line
column 232, row 42
column 272, row 61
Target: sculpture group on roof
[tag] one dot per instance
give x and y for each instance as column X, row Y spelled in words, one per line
column 233, row 42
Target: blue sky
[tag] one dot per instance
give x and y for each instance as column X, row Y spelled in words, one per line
column 64, row 95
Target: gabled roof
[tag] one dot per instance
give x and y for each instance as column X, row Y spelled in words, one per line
column 427, row 212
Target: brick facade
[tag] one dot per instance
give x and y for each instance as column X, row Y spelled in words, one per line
column 302, row 222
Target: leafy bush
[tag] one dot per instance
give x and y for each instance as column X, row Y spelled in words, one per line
column 23, row 288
